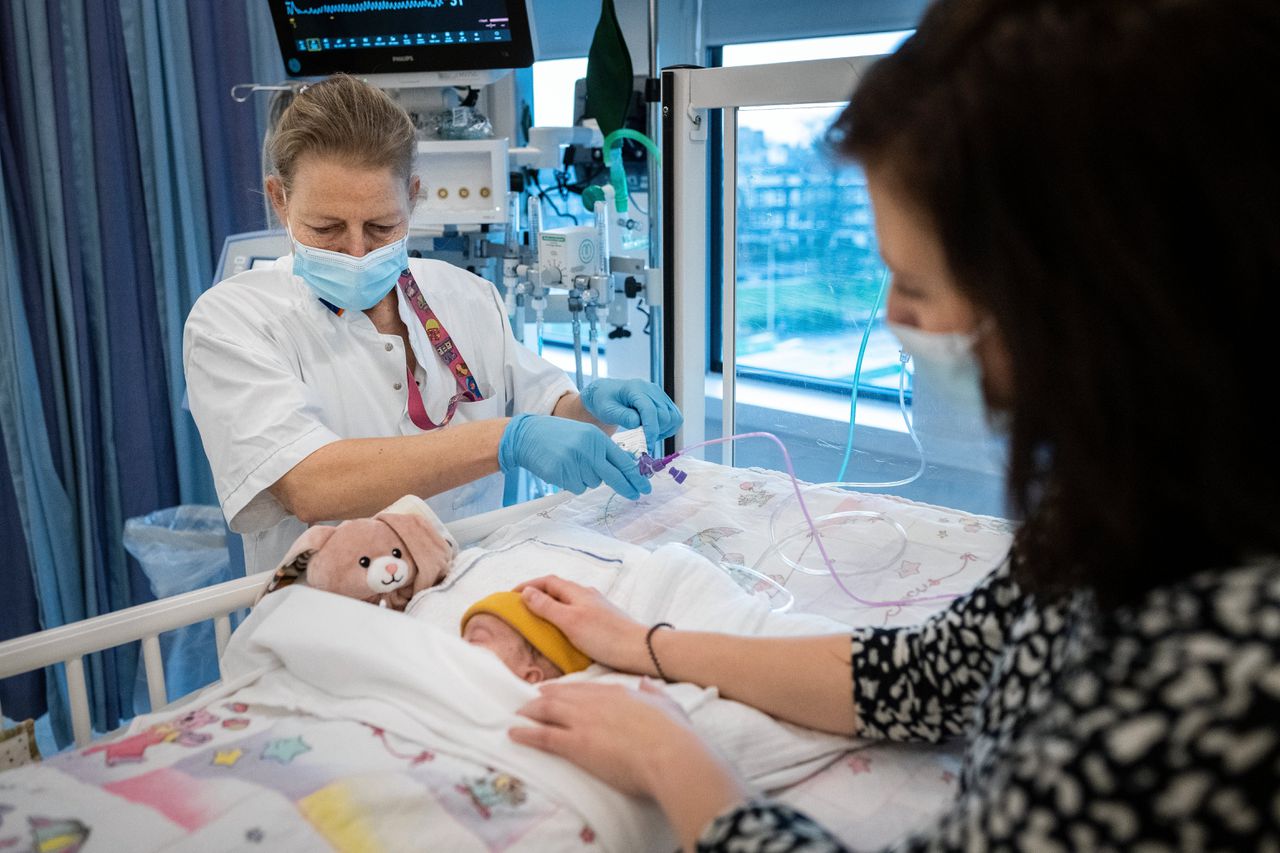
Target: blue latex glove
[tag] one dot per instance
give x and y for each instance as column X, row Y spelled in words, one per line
column 569, row 454
column 632, row 403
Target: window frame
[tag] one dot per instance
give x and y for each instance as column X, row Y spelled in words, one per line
column 715, row 278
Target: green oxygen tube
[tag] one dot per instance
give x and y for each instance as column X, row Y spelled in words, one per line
column 613, row 159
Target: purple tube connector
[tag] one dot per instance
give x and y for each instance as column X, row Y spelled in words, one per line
column 649, row 466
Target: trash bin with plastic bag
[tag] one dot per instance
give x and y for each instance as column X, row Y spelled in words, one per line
column 181, row 549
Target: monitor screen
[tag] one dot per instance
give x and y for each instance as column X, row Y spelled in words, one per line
column 398, row 36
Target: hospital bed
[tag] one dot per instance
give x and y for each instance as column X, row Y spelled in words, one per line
column 901, row 559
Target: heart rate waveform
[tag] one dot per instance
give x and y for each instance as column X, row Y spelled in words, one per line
column 370, row 6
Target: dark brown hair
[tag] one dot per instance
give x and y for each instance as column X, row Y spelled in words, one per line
column 1103, row 176
column 344, row 117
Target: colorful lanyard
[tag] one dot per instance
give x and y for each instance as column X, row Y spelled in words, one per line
column 445, row 349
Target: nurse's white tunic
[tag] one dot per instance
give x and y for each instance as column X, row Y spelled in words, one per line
column 274, row 375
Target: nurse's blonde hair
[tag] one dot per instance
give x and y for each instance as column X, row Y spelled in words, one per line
column 342, row 117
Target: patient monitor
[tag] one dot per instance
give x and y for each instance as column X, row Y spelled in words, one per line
column 405, row 44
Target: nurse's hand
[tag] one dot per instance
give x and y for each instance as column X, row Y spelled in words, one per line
column 632, row 403
column 569, row 454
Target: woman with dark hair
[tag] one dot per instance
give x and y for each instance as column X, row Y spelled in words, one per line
column 1078, row 200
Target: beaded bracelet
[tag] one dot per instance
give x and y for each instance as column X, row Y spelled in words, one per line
column 648, row 642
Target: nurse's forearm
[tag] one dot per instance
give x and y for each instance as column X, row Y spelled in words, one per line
column 358, row 477
column 570, row 406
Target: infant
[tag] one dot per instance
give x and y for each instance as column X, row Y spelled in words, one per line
column 530, row 646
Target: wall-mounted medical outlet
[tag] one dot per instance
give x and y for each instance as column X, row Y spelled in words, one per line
column 464, row 182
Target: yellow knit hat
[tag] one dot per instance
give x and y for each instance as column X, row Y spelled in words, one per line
column 541, row 634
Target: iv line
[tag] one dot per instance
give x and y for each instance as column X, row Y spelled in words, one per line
column 903, row 358
column 915, row 439
column 857, row 372
column 813, row 526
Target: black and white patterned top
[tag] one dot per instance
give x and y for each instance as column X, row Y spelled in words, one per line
column 1152, row 727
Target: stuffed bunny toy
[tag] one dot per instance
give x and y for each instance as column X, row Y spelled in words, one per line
column 385, row 560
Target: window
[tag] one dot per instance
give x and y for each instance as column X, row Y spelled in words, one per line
column 553, row 106
column 795, row 50
column 808, row 272
column 553, row 81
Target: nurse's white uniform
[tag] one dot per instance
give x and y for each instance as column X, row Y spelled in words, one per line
column 274, row 375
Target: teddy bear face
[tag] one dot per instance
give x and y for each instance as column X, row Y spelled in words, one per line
column 384, row 574
column 362, row 558
column 385, row 559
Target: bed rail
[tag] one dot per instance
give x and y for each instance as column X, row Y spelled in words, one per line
column 146, row 622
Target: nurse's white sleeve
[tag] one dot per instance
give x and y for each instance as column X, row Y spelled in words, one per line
column 256, row 424
column 534, row 385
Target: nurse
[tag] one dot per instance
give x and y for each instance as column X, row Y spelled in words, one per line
column 348, row 374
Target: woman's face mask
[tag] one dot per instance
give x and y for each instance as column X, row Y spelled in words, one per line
column 355, row 284
column 949, row 360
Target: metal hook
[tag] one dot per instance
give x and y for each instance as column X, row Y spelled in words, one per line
column 263, row 87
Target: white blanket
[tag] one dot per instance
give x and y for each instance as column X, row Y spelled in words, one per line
column 341, row 659
column 347, row 725
column 672, row 584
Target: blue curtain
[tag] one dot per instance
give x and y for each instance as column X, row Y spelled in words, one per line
column 125, row 165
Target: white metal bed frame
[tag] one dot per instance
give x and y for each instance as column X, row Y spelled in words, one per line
column 146, row 622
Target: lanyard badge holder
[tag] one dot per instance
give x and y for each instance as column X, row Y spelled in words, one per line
column 447, row 352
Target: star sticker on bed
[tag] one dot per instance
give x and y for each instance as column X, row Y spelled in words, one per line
column 227, row 757
column 284, row 750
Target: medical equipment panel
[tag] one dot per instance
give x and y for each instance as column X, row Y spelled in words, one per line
column 250, row 250
column 319, row 37
column 464, row 182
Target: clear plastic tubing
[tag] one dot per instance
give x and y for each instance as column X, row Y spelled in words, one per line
column 813, row 526
column 593, row 339
column 838, row 517
column 857, row 371
column 844, row 484
column 577, row 348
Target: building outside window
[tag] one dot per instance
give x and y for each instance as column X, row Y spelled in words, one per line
column 808, row 268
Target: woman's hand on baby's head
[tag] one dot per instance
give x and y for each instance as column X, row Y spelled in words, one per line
column 602, row 631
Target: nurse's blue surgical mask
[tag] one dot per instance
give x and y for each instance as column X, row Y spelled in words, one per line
column 356, row 284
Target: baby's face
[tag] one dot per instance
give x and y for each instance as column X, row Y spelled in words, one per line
column 487, row 630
